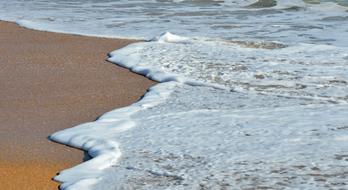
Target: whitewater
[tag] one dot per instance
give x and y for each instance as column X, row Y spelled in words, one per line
column 252, row 94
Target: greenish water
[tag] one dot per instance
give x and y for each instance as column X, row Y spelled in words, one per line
column 340, row 2
column 272, row 3
column 263, row 4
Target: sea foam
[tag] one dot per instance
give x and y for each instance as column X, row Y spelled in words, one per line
column 203, row 136
column 96, row 139
column 249, row 96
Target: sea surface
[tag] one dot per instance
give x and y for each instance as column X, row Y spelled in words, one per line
column 252, row 94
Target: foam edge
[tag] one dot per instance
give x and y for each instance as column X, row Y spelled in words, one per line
column 95, row 139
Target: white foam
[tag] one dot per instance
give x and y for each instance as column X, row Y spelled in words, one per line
column 218, row 138
column 171, row 38
column 134, row 58
column 96, row 139
column 277, row 110
column 279, row 71
column 211, row 138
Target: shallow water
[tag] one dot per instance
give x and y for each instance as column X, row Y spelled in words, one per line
column 253, row 94
column 290, row 21
column 245, row 141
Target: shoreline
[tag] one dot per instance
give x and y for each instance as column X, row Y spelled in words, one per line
column 44, row 91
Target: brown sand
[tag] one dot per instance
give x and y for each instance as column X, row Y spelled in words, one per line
column 49, row 82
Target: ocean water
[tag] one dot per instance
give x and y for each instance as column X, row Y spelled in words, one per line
column 252, row 94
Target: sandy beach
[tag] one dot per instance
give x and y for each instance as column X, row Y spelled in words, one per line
column 48, row 82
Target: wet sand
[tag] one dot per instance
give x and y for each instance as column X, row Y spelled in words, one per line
column 48, row 82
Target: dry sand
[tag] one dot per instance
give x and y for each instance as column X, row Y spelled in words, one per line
column 49, row 82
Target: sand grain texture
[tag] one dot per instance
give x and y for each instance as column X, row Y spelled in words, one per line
column 49, row 82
